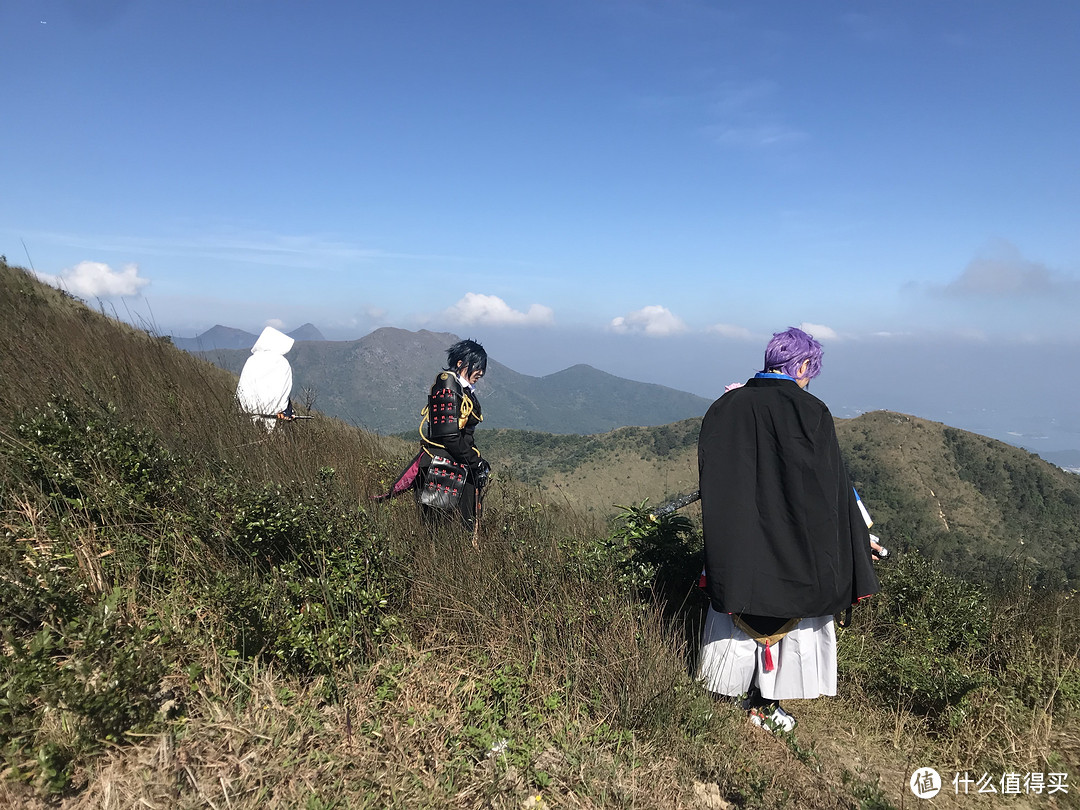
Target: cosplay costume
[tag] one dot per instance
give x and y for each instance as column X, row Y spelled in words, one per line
column 786, row 546
column 447, row 430
column 266, row 379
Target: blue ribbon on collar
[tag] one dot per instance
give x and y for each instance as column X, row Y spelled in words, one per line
column 773, row 375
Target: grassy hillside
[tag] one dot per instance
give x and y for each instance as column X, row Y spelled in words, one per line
column 194, row 613
column 980, row 507
column 983, row 507
column 597, row 472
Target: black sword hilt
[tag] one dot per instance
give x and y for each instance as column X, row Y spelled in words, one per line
column 674, row 504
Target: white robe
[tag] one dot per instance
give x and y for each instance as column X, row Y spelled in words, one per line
column 804, row 661
column 266, row 379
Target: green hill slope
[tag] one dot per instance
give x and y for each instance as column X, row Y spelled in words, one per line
column 979, row 506
column 982, row 507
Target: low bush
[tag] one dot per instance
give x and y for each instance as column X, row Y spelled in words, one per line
column 122, row 568
column 79, row 667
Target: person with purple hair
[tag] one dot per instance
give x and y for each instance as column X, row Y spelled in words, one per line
column 786, row 547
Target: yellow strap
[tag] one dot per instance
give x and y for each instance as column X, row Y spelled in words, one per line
column 771, row 639
column 424, row 438
column 466, row 411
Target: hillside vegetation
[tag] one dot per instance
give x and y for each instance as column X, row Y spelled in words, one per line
column 983, row 509
column 597, row 472
column 195, row 613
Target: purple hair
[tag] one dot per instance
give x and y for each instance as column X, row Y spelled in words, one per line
column 787, row 350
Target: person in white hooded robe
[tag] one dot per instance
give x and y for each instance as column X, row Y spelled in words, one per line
column 266, row 380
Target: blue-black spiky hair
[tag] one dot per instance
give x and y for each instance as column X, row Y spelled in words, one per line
column 469, row 353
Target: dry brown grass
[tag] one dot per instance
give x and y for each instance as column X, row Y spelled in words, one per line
column 277, row 746
column 526, row 640
column 884, row 745
column 53, row 346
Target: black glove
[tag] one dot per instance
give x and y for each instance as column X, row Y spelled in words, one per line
column 482, row 473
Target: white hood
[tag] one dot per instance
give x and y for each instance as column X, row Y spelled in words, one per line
column 271, row 340
column 266, row 379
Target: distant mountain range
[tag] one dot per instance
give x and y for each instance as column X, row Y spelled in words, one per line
column 226, row 337
column 380, row 383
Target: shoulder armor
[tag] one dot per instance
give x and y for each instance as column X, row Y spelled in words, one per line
column 444, row 406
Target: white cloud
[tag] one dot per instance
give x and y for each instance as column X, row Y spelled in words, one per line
column 653, row 320
column 731, row 331
column 98, row 280
column 819, row 332
column 737, row 97
column 490, row 310
column 307, row 251
column 762, row 135
column 972, row 334
column 1000, row 271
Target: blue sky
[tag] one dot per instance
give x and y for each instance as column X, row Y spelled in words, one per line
column 649, row 187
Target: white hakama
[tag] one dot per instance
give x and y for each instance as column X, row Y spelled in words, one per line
column 804, row 660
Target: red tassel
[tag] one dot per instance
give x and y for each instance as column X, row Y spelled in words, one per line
column 768, row 658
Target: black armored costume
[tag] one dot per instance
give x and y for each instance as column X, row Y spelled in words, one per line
column 449, row 473
column 447, row 430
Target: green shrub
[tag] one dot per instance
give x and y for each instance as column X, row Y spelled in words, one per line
column 76, row 671
column 291, row 572
column 90, row 460
column 338, row 606
column 921, row 640
column 654, row 554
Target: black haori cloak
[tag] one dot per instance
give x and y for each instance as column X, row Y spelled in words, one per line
column 784, row 536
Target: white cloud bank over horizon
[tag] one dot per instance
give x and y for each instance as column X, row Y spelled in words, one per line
column 476, row 309
column 730, row 330
column 653, row 320
column 741, row 333
column 98, row 280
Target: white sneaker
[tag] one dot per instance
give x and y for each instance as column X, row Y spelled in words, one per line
column 773, row 719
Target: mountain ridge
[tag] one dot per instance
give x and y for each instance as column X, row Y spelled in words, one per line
column 229, row 337
column 578, row 399
column 380, row 382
